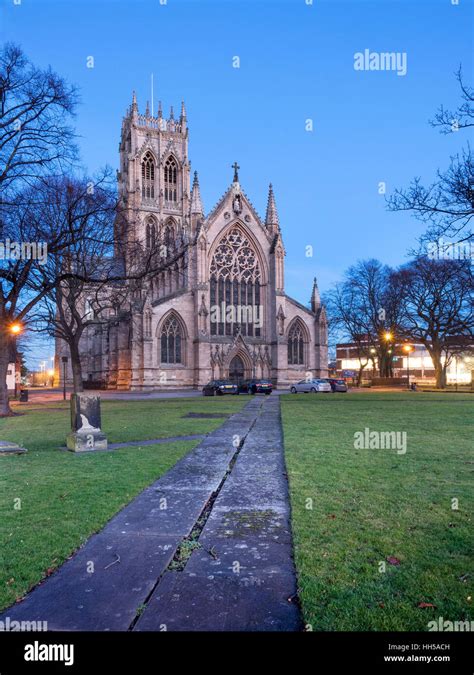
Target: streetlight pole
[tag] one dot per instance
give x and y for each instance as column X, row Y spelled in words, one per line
column 15, row 329
column 388, row 337
column 64, row 360
column 408, row 349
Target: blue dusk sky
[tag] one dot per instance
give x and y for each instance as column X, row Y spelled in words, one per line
column 296, row 64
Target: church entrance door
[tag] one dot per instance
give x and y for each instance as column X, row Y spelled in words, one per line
column 236, row 370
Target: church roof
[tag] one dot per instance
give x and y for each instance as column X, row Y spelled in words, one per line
column 235, row 189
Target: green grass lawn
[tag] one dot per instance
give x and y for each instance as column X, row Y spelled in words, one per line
column 371, row 505
column 65, row 497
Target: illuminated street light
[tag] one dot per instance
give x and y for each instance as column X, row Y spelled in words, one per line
column 16, row 328
column 387, row 336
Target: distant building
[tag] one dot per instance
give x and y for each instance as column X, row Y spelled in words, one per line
column 421, row 366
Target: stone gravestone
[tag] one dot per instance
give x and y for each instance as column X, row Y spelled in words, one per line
column 8, row 448
column 86, row 434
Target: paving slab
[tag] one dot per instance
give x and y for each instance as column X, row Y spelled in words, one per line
column 107, row 580
column 242, row 578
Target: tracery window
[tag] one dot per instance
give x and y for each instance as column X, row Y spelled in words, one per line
column 171, row 341
column 171, row 180
column 235, row 279
column 169, row 237
column 150, row 234
column 296, row 344
column 148, row 176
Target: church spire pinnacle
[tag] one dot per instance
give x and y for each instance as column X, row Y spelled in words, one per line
column 271, row 218
column 315, row 296
column 134, row 108
column 160, row 110
column 171, row 113
column 183, row 112
column 196, row 201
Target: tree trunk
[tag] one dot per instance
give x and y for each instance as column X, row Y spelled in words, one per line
column 360, row 373
column 385, row 367
column 5, row 350
column 440, row 370
column 76, row 368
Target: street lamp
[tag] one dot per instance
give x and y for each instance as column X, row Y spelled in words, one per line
column 15, row 329
column 387, row 336
column 43, row 372
column 408, row 349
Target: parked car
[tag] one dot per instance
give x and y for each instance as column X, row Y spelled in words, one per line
column 337, row 384
column 311, row 386
column 219, row 388
column 256, row 387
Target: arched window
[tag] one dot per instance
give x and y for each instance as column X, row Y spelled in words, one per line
column 148, row 176
column 171, row 341
column 171, row 180
column 169, row 237
column 296, row 345
column 150, row 234
column 235, row 279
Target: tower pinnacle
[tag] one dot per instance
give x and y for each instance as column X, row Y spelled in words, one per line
column 315, row 296
column 134, row 108
column 196, row 201
column 271, row 218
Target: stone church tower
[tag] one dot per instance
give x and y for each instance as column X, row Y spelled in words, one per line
column 217, row 308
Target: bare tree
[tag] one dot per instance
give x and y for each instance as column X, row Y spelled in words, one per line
column 447, row 205
column 450, row 121
column 35, row 137
column 365, row 307
column 437, row 308
column 35, row 110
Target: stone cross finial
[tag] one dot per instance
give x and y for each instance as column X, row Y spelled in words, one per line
column 236, row 168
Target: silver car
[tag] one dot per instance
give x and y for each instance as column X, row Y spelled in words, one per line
column 311, row 386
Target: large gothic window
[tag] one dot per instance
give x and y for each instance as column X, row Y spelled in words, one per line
column 296, row 345
column 235, row 279
column 171, row 341
column 171, row 180
column 148, row 176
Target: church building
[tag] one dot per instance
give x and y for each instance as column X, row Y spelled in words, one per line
column 217, row 307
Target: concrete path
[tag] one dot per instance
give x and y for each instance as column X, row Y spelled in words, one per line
column 230, row 494
column 39, row 396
